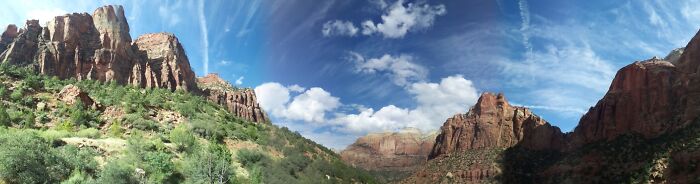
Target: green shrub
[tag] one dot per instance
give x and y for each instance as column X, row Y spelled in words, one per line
column 88, row 133
column 52, row 135
column 117, row 172
column 27, row 158
column 182, row 137
column 210, row 164
column 115, row 129
column 249, row 158
column 4, row 117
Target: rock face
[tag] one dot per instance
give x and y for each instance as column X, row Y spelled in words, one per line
column 493, row 123
column 241, row 102
column 400, row 152
column 99, row 47
column 642, row 99
column 71, row 95
column 165, row 64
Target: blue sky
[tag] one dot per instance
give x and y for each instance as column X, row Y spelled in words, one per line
column 334, row 70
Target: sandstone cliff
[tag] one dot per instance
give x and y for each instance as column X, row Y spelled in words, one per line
column 390, row 155
column 99, row 47
column 241, row 102
column 645, row 129
column 493, row 123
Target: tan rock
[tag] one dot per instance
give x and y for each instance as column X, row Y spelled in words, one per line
column 165, row 64
column 71, row 94
column 390, row 151
column 241, row 102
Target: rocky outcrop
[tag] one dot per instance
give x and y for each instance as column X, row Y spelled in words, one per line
column 99, row 47
column 403, row 151
column 22, row 50
column 7, row 37
column 71, row 95
column 642, row 99
column 493, row 123
column 241, row 102
column 165, row 63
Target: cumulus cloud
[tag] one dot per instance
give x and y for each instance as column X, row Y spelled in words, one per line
column 400, row 19
column 339, row 28
column 435, row 103
column 309, row 106
column 401, row 69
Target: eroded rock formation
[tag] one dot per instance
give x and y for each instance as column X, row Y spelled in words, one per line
column 99, row 47
column 399, row 152
column 241, row 102
column 493, row 123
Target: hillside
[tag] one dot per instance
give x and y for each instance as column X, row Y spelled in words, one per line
column 82, row 103
column 644, row 130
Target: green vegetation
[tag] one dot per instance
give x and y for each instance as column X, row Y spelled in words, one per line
column 44, row 140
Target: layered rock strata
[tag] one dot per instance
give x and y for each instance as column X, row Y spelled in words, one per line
column 99, row 47
column 401, row 151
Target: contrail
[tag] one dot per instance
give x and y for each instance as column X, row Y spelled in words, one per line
column 205, row 36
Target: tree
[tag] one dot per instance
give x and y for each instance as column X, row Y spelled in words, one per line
column 27, row 158
column 210, row 164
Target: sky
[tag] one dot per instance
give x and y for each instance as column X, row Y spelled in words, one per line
column 334, row 70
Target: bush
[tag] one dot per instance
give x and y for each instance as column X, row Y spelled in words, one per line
column 210, row 164
column 4, row 117
column 53, row 135
column 117, row 172
column 183, row 138
column 115, row 129
column 249, row 158
column 27, row 158
column 88, row 133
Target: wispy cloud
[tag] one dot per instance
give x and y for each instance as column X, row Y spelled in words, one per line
column 401, row 69
column 205, row 35
column 398, row 20
column 239, row 81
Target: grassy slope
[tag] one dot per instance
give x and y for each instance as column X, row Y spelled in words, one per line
column 128, row 132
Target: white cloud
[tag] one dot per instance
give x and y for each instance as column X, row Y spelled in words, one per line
column 296, row 88
column 309, row 106
column 205, row 36
column 239, row 81
column 435, row 103
column 400, row 69
column 339, row 28
column 525, row 24
column 400, row 19
column 165, row 11
column 45, row 15
column 312, row 105
column 224, row 63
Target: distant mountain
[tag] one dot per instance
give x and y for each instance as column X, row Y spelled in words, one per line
column 646, row 129
column 390, row 156
column 80, row 102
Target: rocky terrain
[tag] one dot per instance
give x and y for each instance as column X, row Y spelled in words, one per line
column 99, row 47
column 390, row 156
column 644, row 130
column 81, row 102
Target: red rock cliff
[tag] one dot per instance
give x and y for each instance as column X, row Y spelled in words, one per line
column 493, row 123
column 99, row 47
